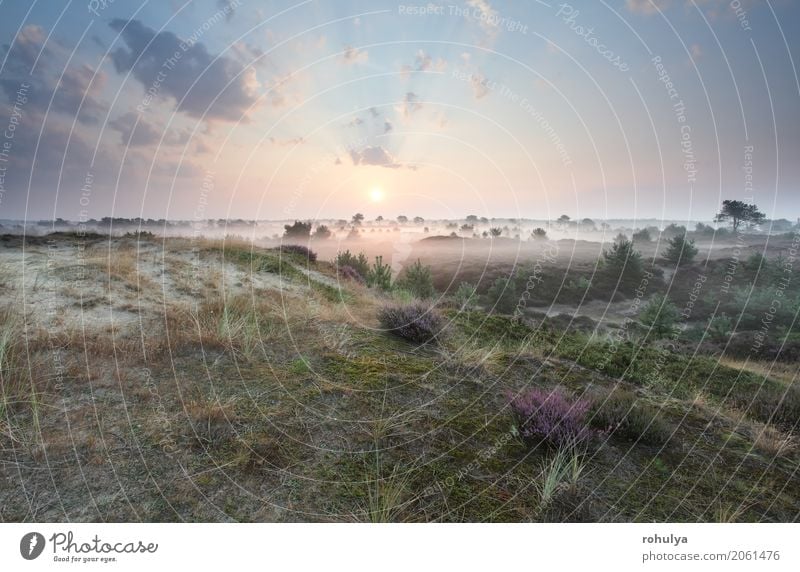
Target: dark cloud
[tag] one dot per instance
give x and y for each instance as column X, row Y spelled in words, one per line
column 74, row 93
column 142, row 133
column 202, row 85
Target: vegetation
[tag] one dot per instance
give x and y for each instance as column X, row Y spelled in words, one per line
column 416, row 322
column 680, row 250
column 551, row 417
column 379, row 275
column 739, row 212
column 660, row 317
column 417, row 279
column 298, row 230
column 359, row 262
column 502, row 296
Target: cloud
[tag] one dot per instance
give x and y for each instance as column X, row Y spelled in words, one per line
column 25, row 49
column 75, row 94
column 353, row 55
column 646, row 6
column 137, row 131
column 374, row 112
column 409, row 105
column 387, row 126
column 355, row 122
column 696, row 51
column 480, row 87
column 201, row 84
column 488, row 18
column 294, row 141
column 423, row 62
column 375, row 156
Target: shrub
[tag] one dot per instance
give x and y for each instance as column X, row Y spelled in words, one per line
column 322, row 232
column 642, row 235
column 350, row 273
column 622, row 263
column 414, row 322
column 380, row 275
column 417, row 280
column 539, row 234
column 680, row 250
column 299, row 250
column 720, row 327
column 660, row 316
column 465, row 296
column 358, row 263
column 502, row 296
column 624, row 416
column 551, row 417
column 297, row 230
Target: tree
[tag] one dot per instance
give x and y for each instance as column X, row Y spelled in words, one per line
column 418, row 220
column 623, row 263
column 563, row 219
column 358, row 218
column 495, row 231
column 502, row 296
column 539, row 234
column 380, row 275
column 660, row 316
column 379, row 218
column 588, row 224
column 402, row 219
column 322, row 232
column 297, row 230
column 642, row 235
column 680, row 250
column 739, row 212
column 472, row 218
column 417, row 279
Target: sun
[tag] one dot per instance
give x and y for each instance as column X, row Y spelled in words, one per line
column 376, row 194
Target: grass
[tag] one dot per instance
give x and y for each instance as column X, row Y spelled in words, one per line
column 252, row 402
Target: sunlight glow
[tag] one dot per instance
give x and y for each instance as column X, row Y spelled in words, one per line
column 376, row 194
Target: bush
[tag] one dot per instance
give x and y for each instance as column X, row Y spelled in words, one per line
column 380, row 275
column 539, row 234
column 465, row 296
column 350, row 273
column 502, row 296
column 417, row 280
column 621, row 263
column 322, row 232
column 680, row 251
column 299, row 250
column 297, row 230
column 551, row 417
column 358, row 263
column 414, row 322
column 660, row 316
column 642, row 235
column 624, row 416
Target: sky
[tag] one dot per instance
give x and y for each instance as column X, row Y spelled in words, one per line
column 319, row 109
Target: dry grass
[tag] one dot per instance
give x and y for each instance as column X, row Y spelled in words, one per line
column 785, row 372
column 121, row 265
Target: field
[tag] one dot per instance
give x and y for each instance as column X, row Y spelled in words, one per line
column 176, row 379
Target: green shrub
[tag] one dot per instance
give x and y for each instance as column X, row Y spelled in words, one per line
column 660, row 316
column 502, row 296
column 465, row 296
column 380, row 275
column 417, row 279
column 680, row 251
column 358, row 263
column 625, row 417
